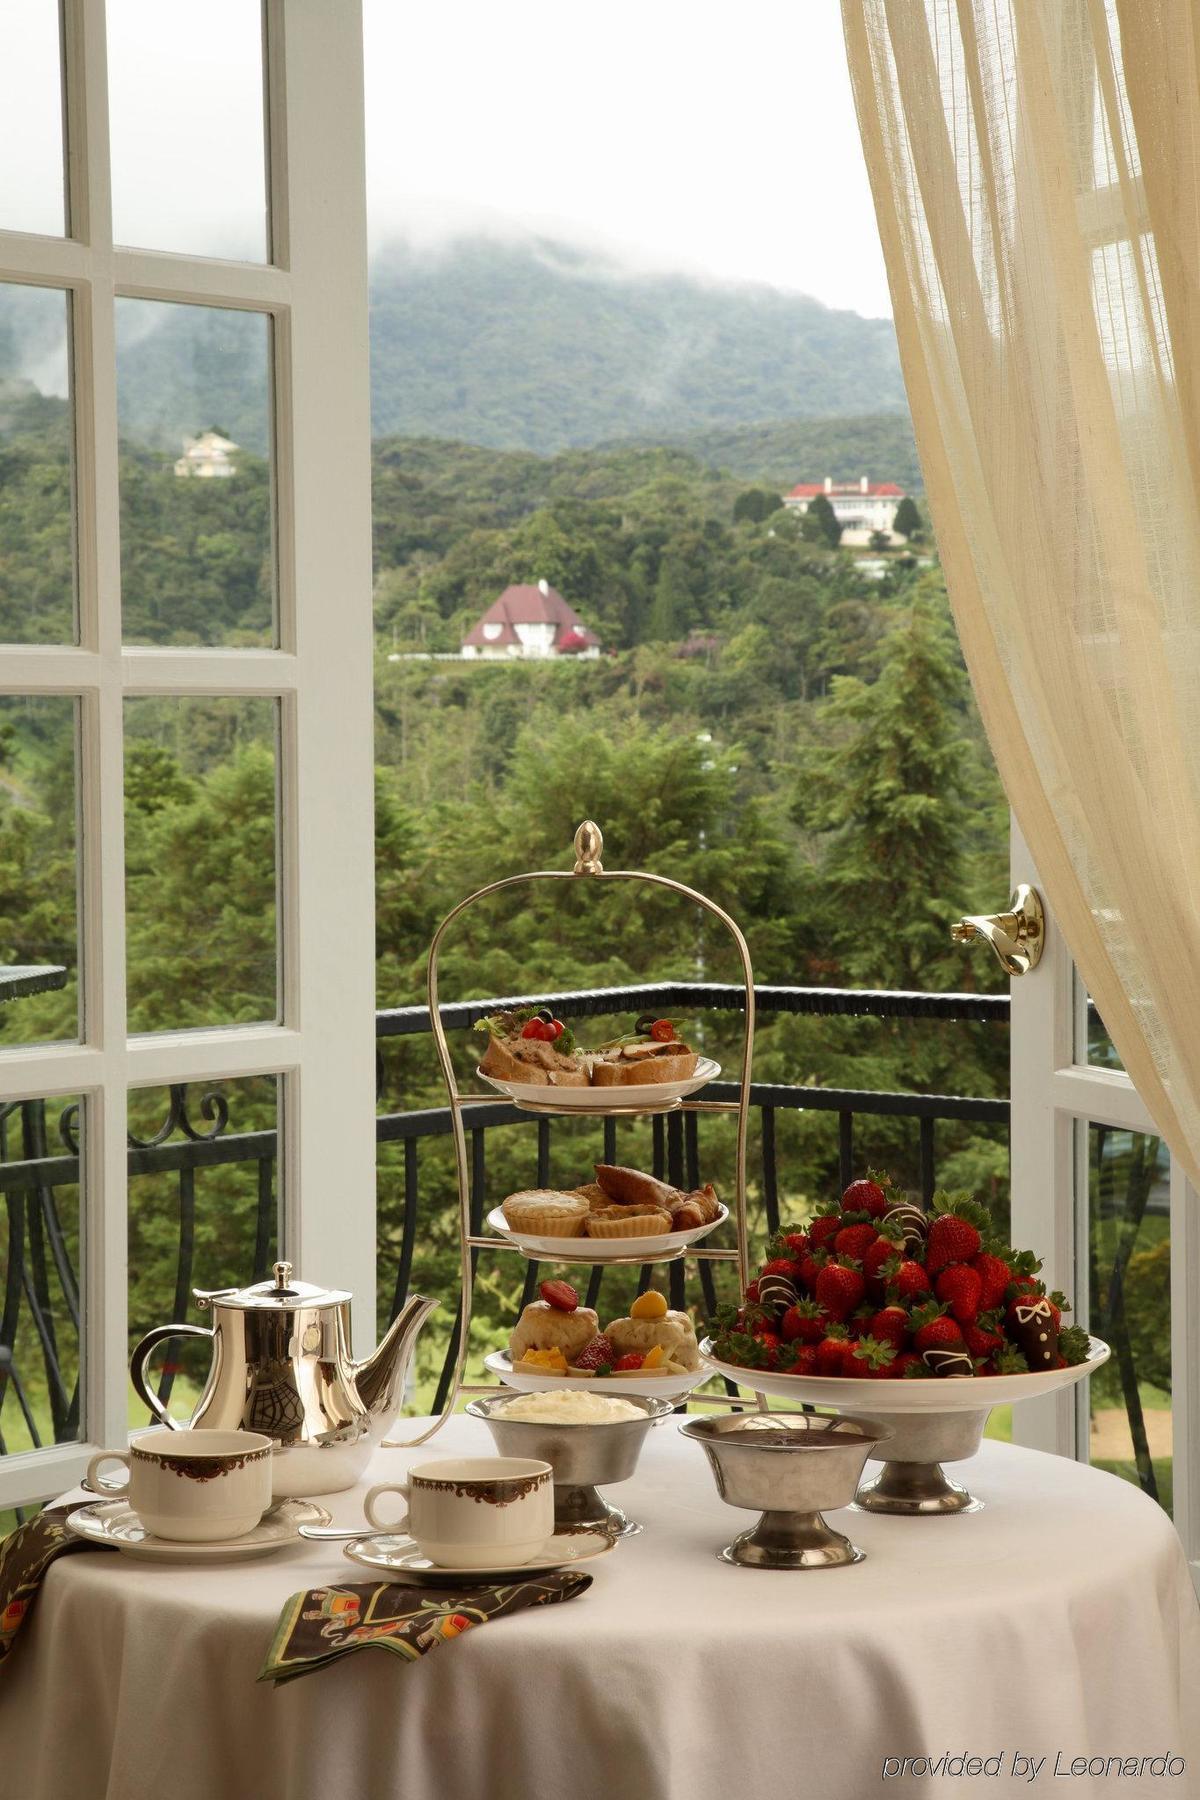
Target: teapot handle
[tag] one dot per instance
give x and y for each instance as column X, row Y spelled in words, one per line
column 140, row 1357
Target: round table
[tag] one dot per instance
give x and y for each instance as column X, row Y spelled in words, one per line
column 1058, row 1622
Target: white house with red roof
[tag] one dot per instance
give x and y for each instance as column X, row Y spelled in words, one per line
column 530, row 621
column 860, row 507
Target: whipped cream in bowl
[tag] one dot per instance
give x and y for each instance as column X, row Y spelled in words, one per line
column 568, row 1407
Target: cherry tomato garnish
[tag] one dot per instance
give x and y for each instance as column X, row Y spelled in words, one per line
column 556, row 1030
column 537, row 1028
column 662, row 1031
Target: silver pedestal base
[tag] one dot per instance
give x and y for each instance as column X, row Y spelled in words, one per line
column 786, row 1540
column 914, row 1490
column 584, row 1508
column 912, row 1482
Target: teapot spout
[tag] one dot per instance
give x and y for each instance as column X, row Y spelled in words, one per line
column 379, row 1378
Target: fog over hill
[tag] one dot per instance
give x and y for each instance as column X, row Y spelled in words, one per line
column 529, row 345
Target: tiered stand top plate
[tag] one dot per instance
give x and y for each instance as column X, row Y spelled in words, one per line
column 937, row 1395
column 667, row 1387
column 665, row 1247
column 631, row 1097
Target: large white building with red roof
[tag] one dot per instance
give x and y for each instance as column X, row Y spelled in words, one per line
column 860, row 507
column 530, row 621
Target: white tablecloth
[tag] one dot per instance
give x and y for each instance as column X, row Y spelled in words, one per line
column 1059, row 1622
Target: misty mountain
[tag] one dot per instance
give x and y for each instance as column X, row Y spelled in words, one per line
column 542, row 347
column 533, row 346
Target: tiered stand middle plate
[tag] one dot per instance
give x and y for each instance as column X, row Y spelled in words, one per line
column 932, row 1422
column 620, row 1102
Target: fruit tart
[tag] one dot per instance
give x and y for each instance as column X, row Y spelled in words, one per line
column 653, row 1051
column 531, row 1045
column 876, row 1288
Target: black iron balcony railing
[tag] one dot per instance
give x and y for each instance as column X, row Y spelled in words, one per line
column 40, row 1166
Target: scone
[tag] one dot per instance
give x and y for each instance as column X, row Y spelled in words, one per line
column 543, row 1327
column 675, row 1332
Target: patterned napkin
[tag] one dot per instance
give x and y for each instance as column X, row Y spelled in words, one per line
column 319, row 1626
column 25, row 1555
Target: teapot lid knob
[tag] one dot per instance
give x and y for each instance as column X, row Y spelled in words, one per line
column 282, row 1272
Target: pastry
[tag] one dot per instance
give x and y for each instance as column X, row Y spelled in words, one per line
column 542, row 1212
column 692, row 1210
column 542, row 1326
column 594, row 1194
column 630, row 1187
column 627, row 1221
column 523, row 1046
column 674, row 1332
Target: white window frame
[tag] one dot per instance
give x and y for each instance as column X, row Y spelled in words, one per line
column 314, row 289
column 1055, row 1098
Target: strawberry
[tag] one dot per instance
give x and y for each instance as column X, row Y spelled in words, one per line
column 1073, row 1344
column 983, row 1336
column 778, row 1265
column 954, row 1232
column 795, row 1242
column 598, row 1354
column 752, row 1292
column 909, row 1364
column 884, row 1248
column 632, row 1360
column 827, row 1226
column 906, row 1280
column 770, row 1343
column 797, row 1359
column 833, row 1351
column 932, row 1330
column 865, row 1196
column 559, row 1294
column 994, row 1275
column 854, row 1240
column 960, row 1287
column 1033, row 1293
column 803, row 1323
column 840, row 1288
column 876, row 1360
column 1008, row 1361
column 890, row 1325
column 859, row 1322
column 809, row 1266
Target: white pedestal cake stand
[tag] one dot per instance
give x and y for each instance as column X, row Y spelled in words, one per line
column 933, row 1421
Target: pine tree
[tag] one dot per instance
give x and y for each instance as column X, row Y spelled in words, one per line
column 671, row 611
column 890, row 793
column 908, row 521
column 820, row 523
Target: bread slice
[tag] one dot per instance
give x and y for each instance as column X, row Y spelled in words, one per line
column 666, row 1062
column 534, row 1061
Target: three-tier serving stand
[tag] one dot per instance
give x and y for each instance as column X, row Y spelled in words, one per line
column 588, row 868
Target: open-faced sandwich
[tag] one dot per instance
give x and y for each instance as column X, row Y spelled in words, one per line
column 653, row 1051
column 531, row 1045
column 557, row 1336
column 620, row 1203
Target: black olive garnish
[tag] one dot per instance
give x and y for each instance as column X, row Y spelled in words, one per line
column 543, row 1012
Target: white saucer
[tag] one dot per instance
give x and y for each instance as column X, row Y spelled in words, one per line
column 668, row 1387
column 400, row 1556
column 663, row 1246
column 630, row 1096
column 115, row 1524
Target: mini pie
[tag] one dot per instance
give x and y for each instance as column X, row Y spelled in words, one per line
column 545, row 1212
column 627, row 1221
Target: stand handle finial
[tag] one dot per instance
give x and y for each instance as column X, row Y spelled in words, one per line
column 589, row 843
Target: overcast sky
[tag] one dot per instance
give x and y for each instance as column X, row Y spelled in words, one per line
column 700, row 135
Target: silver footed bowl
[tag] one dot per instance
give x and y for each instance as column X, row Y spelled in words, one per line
column 790, row 1467
column 584, row 1458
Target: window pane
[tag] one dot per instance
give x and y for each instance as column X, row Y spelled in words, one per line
column 41, row 1272
column 194, row 404
column 1093, row 1046
column 39, row 958
column 37, row 508
column 32, row 190
column 203, row 1212
column 185, row 93
column 200, row 861
column 1129, row 1245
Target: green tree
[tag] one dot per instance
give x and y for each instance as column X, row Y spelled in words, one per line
column 756, row 504
column 820, row 523
column 908, row 521
column 671, row 611
column 880, row 541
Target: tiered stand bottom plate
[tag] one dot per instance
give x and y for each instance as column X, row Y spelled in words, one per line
column 932, row 1422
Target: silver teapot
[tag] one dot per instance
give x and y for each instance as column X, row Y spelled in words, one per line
column 281, row 1365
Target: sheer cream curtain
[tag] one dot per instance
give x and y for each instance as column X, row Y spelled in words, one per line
column 1036, row 173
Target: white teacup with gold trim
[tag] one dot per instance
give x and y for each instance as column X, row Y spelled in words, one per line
column 195, row 1487
column 473, row 1512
